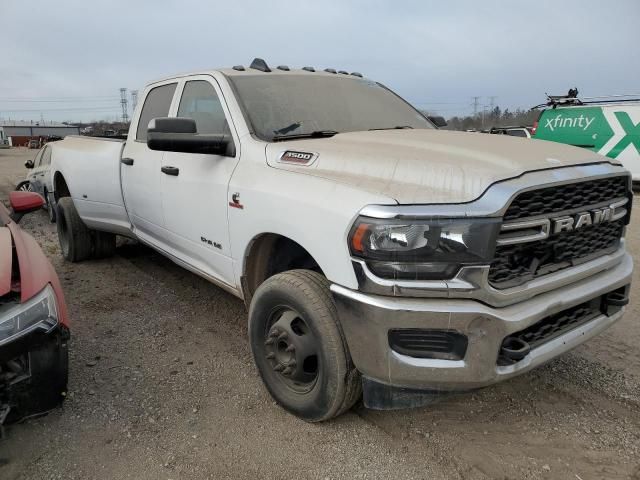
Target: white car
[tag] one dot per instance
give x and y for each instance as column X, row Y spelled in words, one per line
column 39, row 178
column 522, row 132
column 378, row 256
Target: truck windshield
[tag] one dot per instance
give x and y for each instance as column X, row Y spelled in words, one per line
column 281, row 106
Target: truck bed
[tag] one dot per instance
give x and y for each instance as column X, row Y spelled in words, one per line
column 95, row 184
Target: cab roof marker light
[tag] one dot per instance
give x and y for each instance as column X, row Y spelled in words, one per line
column 343, row 72
column 330, row 70
column 356, row 74
column 260, row 64
column 309, row 69
column 239, row 68
column 283, row 67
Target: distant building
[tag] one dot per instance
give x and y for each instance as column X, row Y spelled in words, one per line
column 19, row 133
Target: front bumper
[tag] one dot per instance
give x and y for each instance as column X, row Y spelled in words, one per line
column 33, row 373
column 367, row 319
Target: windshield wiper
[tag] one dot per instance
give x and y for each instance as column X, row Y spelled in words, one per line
column 288, row 128
column 315, row 134
column 398, row 127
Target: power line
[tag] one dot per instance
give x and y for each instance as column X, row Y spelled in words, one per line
column 60, row 101
column 72, row 109
column 438, row 103
column 56, row 99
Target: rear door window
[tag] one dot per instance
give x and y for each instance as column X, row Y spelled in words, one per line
column 156, row 105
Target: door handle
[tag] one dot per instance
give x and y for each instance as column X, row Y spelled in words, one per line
column 127, row 161
column 170, row 171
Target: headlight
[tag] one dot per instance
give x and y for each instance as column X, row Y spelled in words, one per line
column 420, row 249
column 19, row 318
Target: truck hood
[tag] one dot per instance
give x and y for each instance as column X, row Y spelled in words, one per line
column 425, row 166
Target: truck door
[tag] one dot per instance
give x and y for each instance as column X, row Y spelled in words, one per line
column 140, row 168
column 194, row 186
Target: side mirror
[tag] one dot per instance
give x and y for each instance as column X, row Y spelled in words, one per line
column 29, row 164
column 24, row 202
column 438, row 121
column 180, row 135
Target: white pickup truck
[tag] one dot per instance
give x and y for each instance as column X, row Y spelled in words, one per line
column 378, row 256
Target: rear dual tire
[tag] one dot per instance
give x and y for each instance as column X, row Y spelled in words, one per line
column 78, row 242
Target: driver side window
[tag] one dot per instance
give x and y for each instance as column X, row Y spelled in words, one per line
column 201, row 103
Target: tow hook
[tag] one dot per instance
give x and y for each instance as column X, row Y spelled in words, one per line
column 514, row 349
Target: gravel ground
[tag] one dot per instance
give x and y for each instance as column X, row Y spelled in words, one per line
column 163, row 387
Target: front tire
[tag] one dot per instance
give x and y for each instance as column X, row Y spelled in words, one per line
column 299, row 348
column 24, row 186
column 73, row 234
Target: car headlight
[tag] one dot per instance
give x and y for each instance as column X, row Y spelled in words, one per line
column 423, row 249
column 19, row 318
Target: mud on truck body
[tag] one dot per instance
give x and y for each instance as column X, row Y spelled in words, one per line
column 377, row 255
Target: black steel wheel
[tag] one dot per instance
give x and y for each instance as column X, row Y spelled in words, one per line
column 291, row 348
column 299, row 348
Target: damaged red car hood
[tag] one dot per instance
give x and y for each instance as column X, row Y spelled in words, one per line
column 24, row 268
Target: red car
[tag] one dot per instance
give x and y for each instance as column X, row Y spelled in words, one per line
column 34, row 329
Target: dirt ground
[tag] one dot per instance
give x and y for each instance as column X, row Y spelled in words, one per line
column 163, row 387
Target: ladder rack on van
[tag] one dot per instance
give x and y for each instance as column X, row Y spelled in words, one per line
column 571, row 99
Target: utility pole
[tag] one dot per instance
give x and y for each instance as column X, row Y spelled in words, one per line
column 123, row 102
column 492, row 101
column 475, row 104
column 134, row 99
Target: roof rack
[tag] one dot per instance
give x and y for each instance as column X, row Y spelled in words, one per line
column 571, row 99
column 261, row 65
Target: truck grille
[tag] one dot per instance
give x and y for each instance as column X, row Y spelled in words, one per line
column 517, row 264
column 520, row 263
column 567, row 197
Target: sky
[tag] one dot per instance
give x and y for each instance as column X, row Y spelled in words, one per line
column 65, row 60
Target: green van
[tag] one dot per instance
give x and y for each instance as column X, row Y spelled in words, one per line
column 609, row 127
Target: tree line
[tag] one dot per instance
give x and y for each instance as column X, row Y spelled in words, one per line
column 493, row 118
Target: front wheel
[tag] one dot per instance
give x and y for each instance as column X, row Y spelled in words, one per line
column 299, row 348
column 24, row 186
